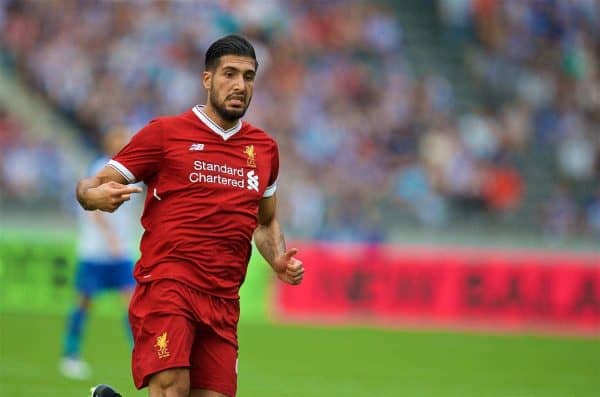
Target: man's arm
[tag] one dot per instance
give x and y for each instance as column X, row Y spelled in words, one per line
column 105, row 191
column 271, row 244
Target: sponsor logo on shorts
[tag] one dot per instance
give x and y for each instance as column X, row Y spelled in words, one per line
column 162, row 346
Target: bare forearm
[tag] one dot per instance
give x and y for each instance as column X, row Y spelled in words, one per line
column 82, row 192
column 270, row 241
column 105, row 191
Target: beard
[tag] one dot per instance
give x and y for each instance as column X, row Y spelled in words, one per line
column 230, row 115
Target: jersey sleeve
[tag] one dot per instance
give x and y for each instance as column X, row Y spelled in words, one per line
column 272, row 186
column 140, row 158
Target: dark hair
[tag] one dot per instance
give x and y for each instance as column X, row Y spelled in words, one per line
column 228, row 45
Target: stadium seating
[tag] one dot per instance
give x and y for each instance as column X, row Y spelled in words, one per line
column 427, row 115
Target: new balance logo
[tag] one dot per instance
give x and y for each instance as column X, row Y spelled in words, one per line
column 197, row 147
column 252, row 181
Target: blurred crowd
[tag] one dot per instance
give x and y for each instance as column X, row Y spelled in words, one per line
column 542, row 59
column 366, row 140
column 33, row 172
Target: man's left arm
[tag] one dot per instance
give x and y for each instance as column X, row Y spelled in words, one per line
column 269, row 240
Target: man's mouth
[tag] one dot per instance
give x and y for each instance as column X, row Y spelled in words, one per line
column 237, row 100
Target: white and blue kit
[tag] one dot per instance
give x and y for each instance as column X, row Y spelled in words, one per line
column 100, row 268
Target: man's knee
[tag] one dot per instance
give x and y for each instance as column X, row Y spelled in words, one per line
column 173, row 382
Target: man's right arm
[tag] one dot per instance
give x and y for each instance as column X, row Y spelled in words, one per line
column 105, row 191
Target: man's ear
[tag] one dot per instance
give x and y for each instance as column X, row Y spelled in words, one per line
column 207, row 79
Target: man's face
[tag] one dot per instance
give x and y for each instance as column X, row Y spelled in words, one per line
column 230, row 86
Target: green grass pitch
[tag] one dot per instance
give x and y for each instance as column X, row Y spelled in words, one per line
column 286, row 361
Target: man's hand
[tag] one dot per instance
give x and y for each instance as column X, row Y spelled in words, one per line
column 289, row 269
column 109, row 196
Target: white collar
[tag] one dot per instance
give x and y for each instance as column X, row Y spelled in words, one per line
column 225, row 134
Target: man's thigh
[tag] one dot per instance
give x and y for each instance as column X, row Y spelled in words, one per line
column 163, row 334
column 213, row 370
column 178, row 336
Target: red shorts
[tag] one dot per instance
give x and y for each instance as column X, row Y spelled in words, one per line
column 176, row 326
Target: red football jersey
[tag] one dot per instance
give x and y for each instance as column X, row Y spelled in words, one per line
column 204, row 189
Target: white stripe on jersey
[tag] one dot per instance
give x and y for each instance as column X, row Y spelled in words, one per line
column 270, row 190
column 122, row 170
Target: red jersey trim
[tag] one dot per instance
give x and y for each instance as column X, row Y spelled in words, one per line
column 121, row 169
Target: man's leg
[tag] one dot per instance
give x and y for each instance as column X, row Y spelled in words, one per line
column 87, row 284
column 176, row 383
column 173, row 382
column 213, row 372
column 75, row 327
column 71, row 365
column 163, row 336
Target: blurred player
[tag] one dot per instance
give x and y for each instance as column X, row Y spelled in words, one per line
column 105, row 262
column 211, row 187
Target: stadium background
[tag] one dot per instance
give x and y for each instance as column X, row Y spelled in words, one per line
column 430, row 124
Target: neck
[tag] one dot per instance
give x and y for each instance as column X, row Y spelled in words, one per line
column 212, row 114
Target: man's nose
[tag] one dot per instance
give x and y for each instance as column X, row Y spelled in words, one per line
column 239, row 84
